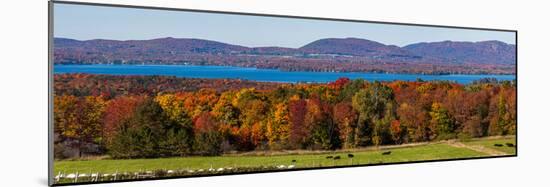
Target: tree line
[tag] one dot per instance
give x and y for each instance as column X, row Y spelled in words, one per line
column 341, row 114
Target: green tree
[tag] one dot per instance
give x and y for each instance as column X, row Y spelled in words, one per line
column 375, row 107
column 350, row 89
column 208, row 139
column 179, row 129
column 150, row 132
column 442, row 122
column 318, row 119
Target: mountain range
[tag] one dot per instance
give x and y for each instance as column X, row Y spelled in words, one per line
column 197, row 51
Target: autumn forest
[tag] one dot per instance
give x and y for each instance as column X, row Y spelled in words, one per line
column 155, row 94
column 163, row 116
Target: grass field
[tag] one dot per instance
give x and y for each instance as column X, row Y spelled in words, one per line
column 433, row 151
column 490, row 143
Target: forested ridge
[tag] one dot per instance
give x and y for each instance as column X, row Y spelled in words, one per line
column 323, row 55
column 169, row 116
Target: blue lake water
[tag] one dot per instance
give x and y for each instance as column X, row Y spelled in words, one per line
column 265, row 75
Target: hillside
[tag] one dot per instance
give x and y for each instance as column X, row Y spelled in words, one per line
column 488, row 52
column 355, row 47
column 330, row 54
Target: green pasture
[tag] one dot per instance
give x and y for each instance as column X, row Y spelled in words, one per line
column 432, row 151
column 490, row 143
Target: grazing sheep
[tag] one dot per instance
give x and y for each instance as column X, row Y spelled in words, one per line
column 95, row 177
column 386, row 153
column 329, row 157
column 291, row 166
column 219, row 169
column 58, row 177
column 281, row 166
column 337, row 158
column 170, row 171
column 350, row 155
column 498, row 145
column 71, row 176
column 510, row 144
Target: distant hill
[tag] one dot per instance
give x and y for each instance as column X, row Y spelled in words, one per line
column 486, row 52
column 355, row 47
column 329, row 54
column 151, row 47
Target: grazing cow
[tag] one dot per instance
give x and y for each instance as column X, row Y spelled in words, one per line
column 350, row 155
column 329, row 157
column 337, row 158
column 386, row 153
column 498, row 145
column 510, row 144
column 293, row 161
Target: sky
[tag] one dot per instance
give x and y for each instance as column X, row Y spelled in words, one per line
column 84, row 22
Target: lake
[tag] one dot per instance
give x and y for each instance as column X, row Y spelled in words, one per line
column 264, row 75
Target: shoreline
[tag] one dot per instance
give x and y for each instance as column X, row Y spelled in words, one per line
column 299, row 71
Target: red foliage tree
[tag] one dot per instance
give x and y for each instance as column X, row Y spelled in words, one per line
column 298, row 130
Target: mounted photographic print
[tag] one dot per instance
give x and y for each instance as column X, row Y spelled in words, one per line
column 144, row 93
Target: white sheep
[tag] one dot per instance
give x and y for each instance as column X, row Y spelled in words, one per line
column 71, row 176
column 59, row 176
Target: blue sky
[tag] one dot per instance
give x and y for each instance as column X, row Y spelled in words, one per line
column 83, row 22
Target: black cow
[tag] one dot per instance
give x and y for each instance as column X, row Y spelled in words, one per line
column 386, row 153
column 350, row 155
column 510, row 144
column 498, row 145
column 329, row 157
column 337, row 158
